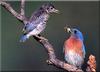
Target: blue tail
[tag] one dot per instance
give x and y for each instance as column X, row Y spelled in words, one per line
column 23, row 38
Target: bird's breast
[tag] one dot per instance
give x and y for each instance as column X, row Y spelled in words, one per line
column 74, row 58
column 41, row 20
column 73, row 45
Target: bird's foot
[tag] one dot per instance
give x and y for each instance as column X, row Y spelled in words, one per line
column 23, row 30
column 41, row 38
column 49, row 62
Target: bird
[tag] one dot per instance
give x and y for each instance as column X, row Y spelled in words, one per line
column 37, row 22
column 74, row 48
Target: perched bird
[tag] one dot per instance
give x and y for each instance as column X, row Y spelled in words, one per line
column 74, row 49
column 38, row 20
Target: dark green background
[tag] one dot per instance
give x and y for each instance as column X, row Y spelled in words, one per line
column 31, row 55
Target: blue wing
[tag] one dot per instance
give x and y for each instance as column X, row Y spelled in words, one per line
column 29, row 27
column 23, row 38
column 84, row 52
column 33, row 24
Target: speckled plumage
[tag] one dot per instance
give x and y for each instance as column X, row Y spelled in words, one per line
column 37, row 22
column 74, row 48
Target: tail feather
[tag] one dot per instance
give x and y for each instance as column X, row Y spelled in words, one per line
column 23, row 38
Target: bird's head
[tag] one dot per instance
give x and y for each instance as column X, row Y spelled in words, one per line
column 49, row 8
column 74, row 32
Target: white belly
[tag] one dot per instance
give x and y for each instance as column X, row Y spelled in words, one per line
column 73, row 58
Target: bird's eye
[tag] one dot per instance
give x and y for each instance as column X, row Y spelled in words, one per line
column 75, row 31
column 51, row 8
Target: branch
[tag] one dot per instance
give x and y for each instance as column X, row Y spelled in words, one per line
column 22, row 7
column 52, row 57
column 13, row 12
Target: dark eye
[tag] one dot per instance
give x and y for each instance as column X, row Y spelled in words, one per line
column 51, row 8
column 75, row 31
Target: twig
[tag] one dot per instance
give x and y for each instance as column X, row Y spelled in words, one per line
column 22, row 7
column 13, row 12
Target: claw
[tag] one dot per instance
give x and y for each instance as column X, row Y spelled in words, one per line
column 49, row 62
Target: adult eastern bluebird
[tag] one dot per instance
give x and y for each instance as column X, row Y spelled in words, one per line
column 38, row 20
column 74, row 49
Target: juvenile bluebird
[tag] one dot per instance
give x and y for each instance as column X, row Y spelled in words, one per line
column 74, row 49
column 37, row 22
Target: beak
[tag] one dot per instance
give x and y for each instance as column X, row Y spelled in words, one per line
column 67, row 29
column 56, row 11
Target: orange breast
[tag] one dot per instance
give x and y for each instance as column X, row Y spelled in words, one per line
column 74, row 44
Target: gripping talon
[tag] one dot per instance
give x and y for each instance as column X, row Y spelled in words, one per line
column 42, row 38
column 48, row 61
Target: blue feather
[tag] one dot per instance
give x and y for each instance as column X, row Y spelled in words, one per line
column 84, row 52
column 23, row 38
column 29, row 27
column 78, row 34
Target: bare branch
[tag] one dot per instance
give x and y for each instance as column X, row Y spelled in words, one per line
column 52, row 57
column 22, row 7
column 10, row 9
column 13, row 12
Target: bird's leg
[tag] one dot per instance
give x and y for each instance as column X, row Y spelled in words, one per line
column 23, row 30
column 49, row 62
column 40, row 37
